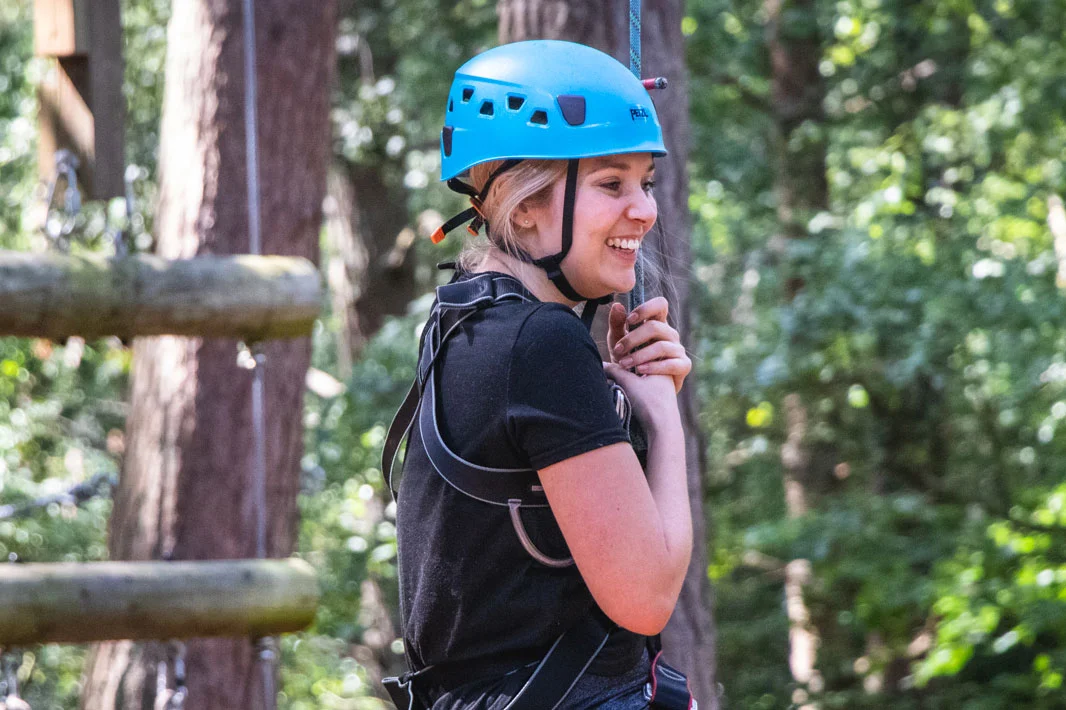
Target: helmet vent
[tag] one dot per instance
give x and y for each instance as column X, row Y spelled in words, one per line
column 446, row 138
column 540, row 117
column 487, row 108
column 451, row 105
column 573, row 108
column 468, row 93
column 515, row 102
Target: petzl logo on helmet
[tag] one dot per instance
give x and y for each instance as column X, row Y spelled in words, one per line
column 640, row 112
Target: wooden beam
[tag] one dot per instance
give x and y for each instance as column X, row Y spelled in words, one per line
column 104, row 601
column 247, row 297
column 81, row 107
column 60, row 28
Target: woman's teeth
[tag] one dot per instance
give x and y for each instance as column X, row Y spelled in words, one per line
column 629, row 244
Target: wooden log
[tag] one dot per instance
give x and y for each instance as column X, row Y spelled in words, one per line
column 247, row 297
column 105, row 601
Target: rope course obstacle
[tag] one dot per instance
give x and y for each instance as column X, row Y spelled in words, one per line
column 58, row 295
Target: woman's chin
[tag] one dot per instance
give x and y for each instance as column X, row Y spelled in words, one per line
column 626, row 283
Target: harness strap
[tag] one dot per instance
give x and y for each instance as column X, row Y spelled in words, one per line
column 566, row 661
column 455, row 302
column 554, row 677
column 496, row 486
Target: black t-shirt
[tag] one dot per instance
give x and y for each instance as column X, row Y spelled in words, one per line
column 521, row 385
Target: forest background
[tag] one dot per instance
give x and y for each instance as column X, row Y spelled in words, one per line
column 878, row 335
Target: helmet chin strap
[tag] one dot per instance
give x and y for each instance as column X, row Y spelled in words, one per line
column 553, row 265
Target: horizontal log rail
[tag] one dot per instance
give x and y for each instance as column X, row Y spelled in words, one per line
column 243, row 297
column 106, row 601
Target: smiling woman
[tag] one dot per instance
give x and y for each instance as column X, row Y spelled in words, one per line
column 538, row 561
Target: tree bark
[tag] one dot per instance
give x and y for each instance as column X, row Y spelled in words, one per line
column 371, row 265
column 186, row 490
column 797, row 90
column 689, row 638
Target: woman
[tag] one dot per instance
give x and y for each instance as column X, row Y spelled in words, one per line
column 536, row 556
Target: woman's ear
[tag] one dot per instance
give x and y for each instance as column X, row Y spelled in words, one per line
column 523, row 216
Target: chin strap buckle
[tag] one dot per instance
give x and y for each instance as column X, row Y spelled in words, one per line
column 475, row 225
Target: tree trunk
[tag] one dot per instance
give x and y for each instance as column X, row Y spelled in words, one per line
column 186, row 490
column 798, row 91
column 371, row 265
column 689, row 638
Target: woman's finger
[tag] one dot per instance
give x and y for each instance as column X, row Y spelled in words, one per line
column 657, row 308
column 619, row 374
column 659, row 350
column 677, row 368
column 649, row 332
column 616, row 327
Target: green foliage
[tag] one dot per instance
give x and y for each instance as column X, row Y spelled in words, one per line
column 1002, row 602
column 925, row 346
column 18, row 135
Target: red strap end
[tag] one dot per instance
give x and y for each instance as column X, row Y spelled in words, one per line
column 438, row 236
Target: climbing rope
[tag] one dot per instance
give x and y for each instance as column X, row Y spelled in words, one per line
column 634, row 37
column 636, row 296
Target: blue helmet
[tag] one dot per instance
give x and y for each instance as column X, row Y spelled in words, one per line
column 545, row 99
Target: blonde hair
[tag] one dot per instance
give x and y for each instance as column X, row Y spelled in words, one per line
column 529, row 182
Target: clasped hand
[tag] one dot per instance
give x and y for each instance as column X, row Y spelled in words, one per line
column 643, row 341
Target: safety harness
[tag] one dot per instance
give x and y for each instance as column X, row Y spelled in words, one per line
column 516, row 488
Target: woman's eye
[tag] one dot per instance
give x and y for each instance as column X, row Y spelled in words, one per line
column 648, row 185
column 611, row 185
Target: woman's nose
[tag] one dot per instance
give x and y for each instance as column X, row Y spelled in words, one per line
column 642, row 208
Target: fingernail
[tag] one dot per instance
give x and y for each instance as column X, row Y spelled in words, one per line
column 626, row 361
column 619, row 349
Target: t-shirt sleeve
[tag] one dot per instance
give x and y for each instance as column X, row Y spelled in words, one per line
column 559, row 402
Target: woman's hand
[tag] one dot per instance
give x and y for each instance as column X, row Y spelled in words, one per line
column 652, row 397
column 662, row 353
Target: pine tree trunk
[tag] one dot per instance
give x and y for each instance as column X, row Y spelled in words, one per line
column 797, row 91
column 689, row 638
column 186, row 490
column 371, row 263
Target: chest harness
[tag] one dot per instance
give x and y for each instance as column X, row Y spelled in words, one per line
column 515, row 488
